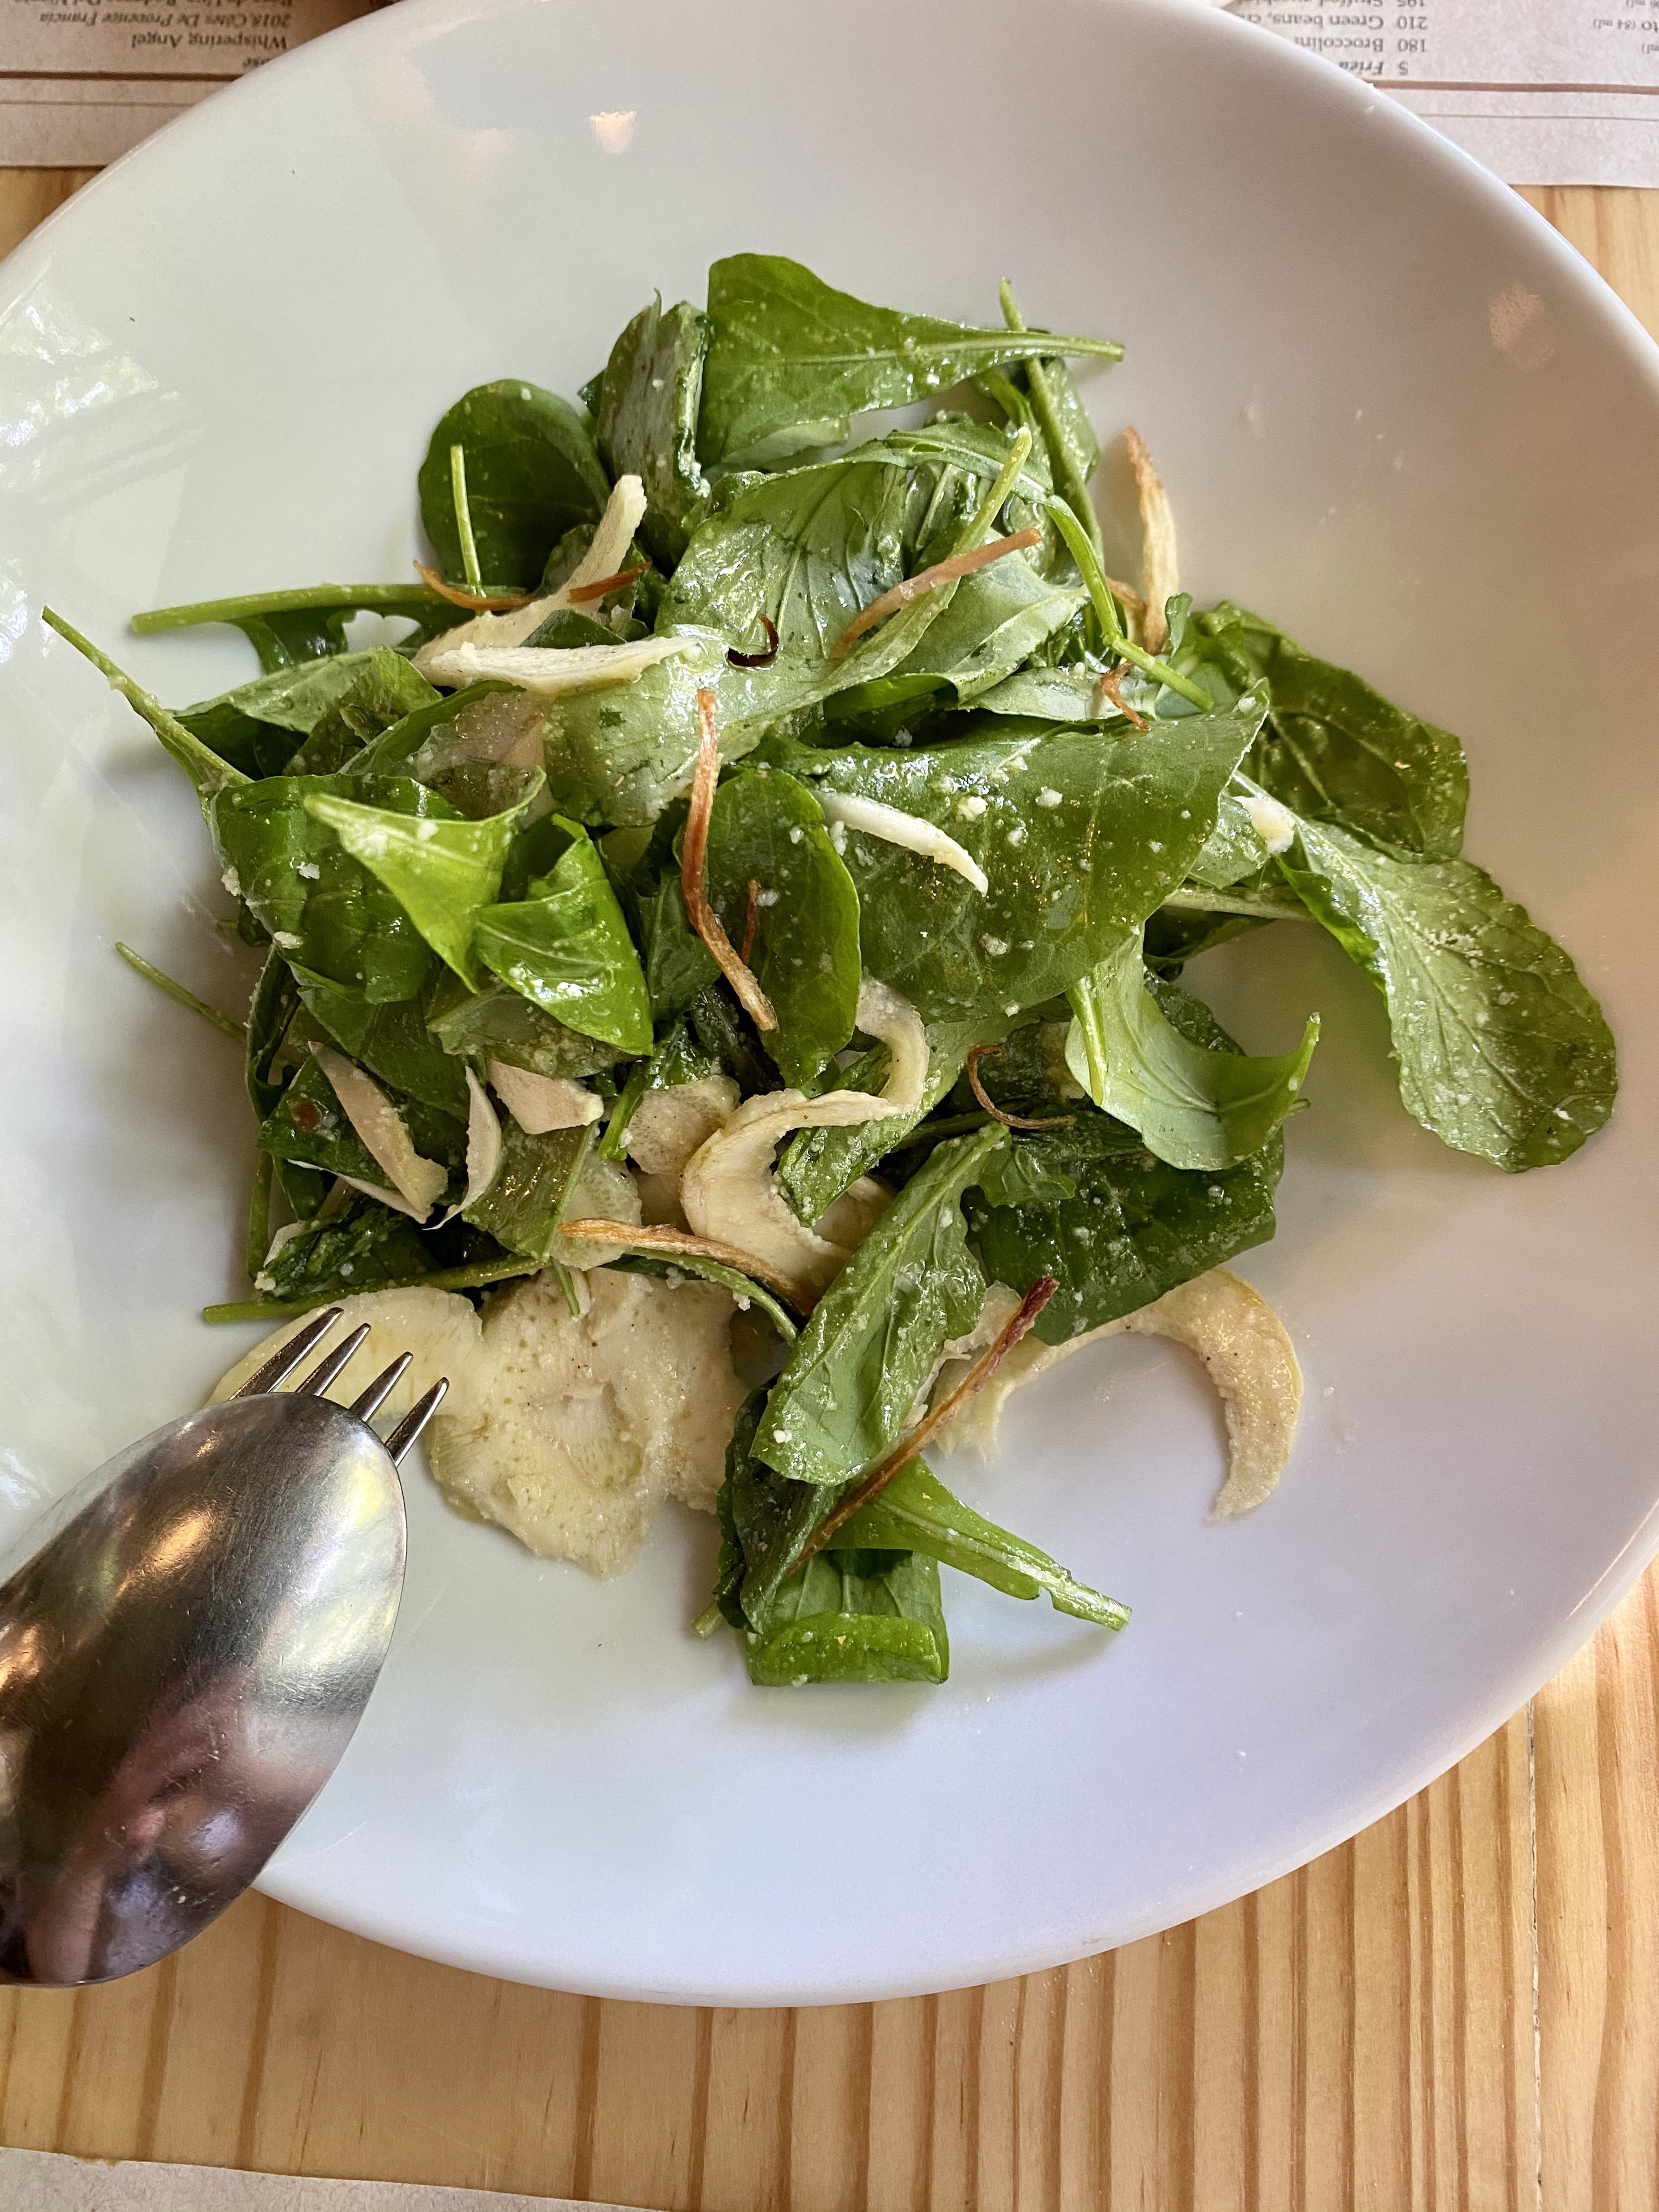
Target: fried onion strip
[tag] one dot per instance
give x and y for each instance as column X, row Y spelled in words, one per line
column 942, row 572
column 693, row 873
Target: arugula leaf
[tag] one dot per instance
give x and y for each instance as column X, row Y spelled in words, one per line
column 289, row 628
column 854, row 1617
column 1080, row 833
column 322, row 908
column 1114, row 1226
column 523, row 1206
column 916, row 1512
column 790, row 359
column 392, row 1042
column 309, row 1125
column 206, row 770
column 1501, row 1051
column 358, row 1249
column 875, row 1333
column 647, row 420
column 532, row 473
column 258, row 726
column 767, row 829
column 566, row 946
column 1196, row 1107
column 497, row 1022
column 443, row 873
column 1333, row 750
column 387, row 690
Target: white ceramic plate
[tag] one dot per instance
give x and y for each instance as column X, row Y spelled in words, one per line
column 1395, row 413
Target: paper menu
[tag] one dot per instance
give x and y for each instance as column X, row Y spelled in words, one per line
column 1543, row 91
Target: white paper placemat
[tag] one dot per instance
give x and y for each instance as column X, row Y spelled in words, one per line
column 42, row 2181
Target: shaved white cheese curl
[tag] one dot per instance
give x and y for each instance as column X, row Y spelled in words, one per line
column 728, row 1191
column 554, row 671
column 624, row 512
column 483, row 1147
column 418, row 1182
column 1274, row 824
column 895, row 1022
column 894, row 827
column 540, row 1103
column 1246, row 1353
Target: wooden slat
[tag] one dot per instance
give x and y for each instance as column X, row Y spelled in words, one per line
column 1361, row 2033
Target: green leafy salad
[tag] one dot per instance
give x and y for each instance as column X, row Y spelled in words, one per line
column 724, row 995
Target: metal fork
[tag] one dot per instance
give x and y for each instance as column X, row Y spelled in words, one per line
column 187, row 1642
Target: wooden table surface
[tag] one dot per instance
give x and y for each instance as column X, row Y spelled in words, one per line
column 1458, row 2009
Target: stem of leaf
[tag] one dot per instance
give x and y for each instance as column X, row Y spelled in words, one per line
column 474, row 1278
column 259, row 1215
column 1105, row 607
column 991, row 506
column 1267, row 906
column 463, row 517
column 181, row 997
column 200, row 762
column 1061, row 459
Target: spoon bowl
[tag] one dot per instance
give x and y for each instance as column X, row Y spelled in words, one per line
column 187, row 1644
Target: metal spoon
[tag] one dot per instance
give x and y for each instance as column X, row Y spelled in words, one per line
column 187, row 1642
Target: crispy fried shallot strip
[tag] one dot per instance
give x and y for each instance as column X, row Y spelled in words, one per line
column 480, row 602
column 996, row 1112
column 1160, row 567
column 942, row 572
column 1109, row 685
column 1017, row 1325
column 757, row 659
column 670, row 1241
column 693, row 873
column 583, row 593
column 752, row 921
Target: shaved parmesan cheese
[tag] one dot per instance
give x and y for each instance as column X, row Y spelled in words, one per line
column 418, row 1182
column 483, row 1147
column 884, row 1015
column 1246, row 1353
column 554, row 671
column 604, row 557
column 729, row 1193
column 540, row 1103
column 1274, row 824
column 570, row 1432
column 668, row 1125
column 894, row 827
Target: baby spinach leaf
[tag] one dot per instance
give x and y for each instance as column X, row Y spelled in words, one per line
column 497, row 1022
column 276, row 1000
column 531, row 472
column 618, row 757
column 790, row 359
column 767, row 829
column 565, row 628
column 1234, row 849
column 204, row 767
column 392, row 1042
column 423, row 733
column 1501, row 1051
column 566, row 946
column 289, row 628
column 522, row 1207
column 1134, row 1228
column 854, row 1617
column 257, row 726
column 1048, row 695
column 442, row 873
column 765, row 1518
column 916, row 1512
column 875, row 1333
column 1196, row 1107
column 647, row 420
column 1079, row 832
column 1333, row 750
column 324, row 909
column 679, row 966
column 358, row 1249
column 385, row 690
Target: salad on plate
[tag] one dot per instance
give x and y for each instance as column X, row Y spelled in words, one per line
column 726, row 930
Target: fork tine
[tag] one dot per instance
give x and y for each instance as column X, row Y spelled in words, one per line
column 281, row 1365
column 403, row 1436
column 326, row 1370
column 382, row 1388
